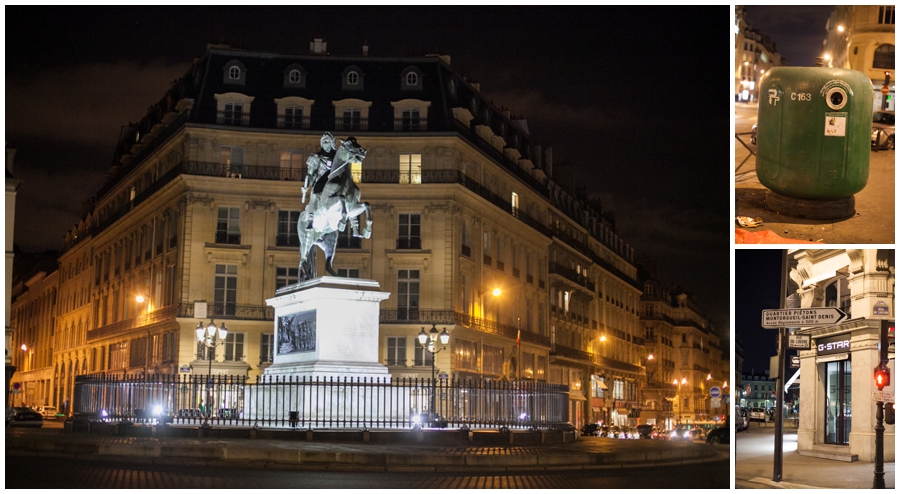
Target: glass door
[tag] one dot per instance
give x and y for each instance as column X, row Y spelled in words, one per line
column 838, row 402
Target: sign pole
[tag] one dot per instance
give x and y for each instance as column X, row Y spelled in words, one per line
column 779, row 382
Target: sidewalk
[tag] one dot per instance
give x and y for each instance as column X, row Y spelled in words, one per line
column 281, row 454
column 873, row 223
column 754, row 464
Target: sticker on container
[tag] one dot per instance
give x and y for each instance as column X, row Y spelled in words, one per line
column 835, row 124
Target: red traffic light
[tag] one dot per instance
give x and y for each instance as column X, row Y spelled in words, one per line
column 882, row 377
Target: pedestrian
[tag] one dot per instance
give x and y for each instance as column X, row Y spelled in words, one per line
column 766, row 415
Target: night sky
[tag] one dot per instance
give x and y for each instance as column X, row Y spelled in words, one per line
column 757, row 281
column 798, row 31
column 638, row 99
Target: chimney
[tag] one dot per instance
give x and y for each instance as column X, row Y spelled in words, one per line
column 318, row 47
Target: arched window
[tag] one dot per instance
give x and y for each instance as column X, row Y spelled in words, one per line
column 412, row 79
column 294, row 77
column 352, row 78
column 234, row 73
column 884, row 57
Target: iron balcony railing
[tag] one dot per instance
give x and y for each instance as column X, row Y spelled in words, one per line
column 437, row 316
column 169, row 313
column 292, row 122
column 571, row 275
column 307, row 403
column 231, row 311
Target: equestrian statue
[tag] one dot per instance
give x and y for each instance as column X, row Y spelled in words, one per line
column 333, row 202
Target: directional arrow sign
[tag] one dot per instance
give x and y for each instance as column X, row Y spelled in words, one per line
column 816, row 316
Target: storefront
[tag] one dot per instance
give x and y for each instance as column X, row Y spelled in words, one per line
column 837, row 410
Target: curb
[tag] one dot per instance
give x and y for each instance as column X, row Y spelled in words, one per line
column 353, row 467
column 281, row 459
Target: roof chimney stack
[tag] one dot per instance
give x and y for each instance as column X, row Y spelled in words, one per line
column 318, row 47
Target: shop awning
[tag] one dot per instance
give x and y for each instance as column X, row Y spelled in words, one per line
column 601, row 383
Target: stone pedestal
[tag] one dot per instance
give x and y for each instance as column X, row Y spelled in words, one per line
column 328, row 327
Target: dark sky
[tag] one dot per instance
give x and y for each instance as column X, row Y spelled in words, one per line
column 638, row 99
column 757, row 281
column 798, row 31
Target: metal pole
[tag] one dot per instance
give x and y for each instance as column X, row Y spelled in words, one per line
column 433, row 358
column 779, row 382
column 879, row 446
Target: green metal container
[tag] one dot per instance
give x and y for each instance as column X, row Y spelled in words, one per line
column 814, row 132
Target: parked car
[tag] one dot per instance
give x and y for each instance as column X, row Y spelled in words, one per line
column 47, row 412
column 757, row 413
column 23, row 417
column 189, row 413
column 719, row 436
column 590, row 430
column 883, row 130
column 648, row 431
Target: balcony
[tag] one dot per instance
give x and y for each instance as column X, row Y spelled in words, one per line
column 292, row 122
column 571, row 275
column 231, row 311
column 351, row 124
column 449, row 317
column 410, row 125
column 572, row 353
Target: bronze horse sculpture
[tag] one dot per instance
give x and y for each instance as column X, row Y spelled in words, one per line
column 334, row 202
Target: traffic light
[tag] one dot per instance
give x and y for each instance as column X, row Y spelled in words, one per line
column 882, row 377
column 889, row 413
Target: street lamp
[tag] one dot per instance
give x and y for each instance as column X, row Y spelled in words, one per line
column 210, row 337
column 428, row 341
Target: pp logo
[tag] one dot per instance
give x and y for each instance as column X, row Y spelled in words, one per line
column 773, row 97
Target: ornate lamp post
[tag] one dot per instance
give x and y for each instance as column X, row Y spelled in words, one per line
column 428, row 342
column 210, row 337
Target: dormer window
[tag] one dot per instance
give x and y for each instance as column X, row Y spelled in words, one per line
column 293, row 112
column 353, row 78
column 235, row 72
column 233, row 109
column 295, row 76
column 411, row 79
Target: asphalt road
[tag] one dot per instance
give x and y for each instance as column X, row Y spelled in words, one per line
column 32, row 473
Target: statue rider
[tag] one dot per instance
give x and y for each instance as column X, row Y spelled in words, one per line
column 318, row 166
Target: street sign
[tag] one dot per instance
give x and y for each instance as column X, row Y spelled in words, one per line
column 882, row 396
column 815, row 316
column 715, row 392
column 795, row 361
column 798, row 341
column 885, row 90
column 715, row 402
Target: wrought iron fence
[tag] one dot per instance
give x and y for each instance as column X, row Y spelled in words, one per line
column 308, row 403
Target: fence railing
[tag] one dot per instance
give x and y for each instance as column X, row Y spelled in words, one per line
column 308, row 403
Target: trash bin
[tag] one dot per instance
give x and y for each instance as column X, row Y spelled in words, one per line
column 294, row 418
column 814, row 134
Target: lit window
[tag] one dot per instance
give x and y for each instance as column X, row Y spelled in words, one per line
column 410, row 168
